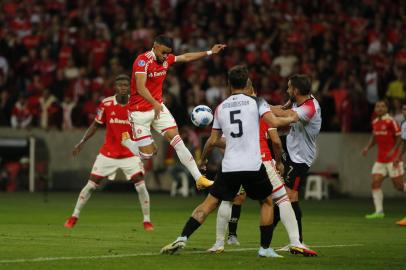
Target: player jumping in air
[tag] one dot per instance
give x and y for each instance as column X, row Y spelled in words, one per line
column 113, row 113
column 146, row 109
column 386, row 135
column 237, row 118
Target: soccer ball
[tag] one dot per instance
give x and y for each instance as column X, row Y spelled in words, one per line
column 201, row 116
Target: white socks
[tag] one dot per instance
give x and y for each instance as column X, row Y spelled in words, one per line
column 223, row 217
column 132, row 146
column 377, row 195
column 143, row 197
column 288, row 219
column 84, row 196
column 185, row 157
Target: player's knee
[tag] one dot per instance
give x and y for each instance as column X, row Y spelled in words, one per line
column 240, row 198
column 376, row 185
column 137, row 178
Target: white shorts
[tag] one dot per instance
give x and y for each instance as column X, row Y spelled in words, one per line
column 141, row 123
column 107, row 167
column 276, row 180
column 387, row 169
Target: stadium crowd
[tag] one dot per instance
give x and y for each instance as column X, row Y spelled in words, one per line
column 58, row 58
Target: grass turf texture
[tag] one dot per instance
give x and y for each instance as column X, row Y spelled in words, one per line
column 111, row 226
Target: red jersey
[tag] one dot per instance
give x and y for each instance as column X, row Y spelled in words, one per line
column 385, row 130
column 263, row 140
column 156, row 74
column 115, row 117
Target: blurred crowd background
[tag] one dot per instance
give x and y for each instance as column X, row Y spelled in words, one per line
column 58, row 58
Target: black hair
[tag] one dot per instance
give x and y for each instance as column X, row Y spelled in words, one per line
column 164, row 40
column 122, row 77
column 238, row 77
column 302, row 83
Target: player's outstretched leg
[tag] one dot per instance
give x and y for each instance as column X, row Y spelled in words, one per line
column 187, row 159
column 198, row 217
column 84, row 196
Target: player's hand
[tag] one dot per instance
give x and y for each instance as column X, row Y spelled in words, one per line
column 158, row 108
column 365, row 152
column 217, row 48
column 280, row 167
column 76, row 150
column 202, row 165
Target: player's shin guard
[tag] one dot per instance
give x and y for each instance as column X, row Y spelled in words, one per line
column 185, row 156
column 143, row 197
column 190, row 227
column 84, row 196
column 223, row 217
column 298, row 214
column 287, row 216
column 235, row 216
column 266, row 235
column 377, row 196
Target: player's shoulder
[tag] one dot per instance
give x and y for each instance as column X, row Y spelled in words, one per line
column 146, row 56
column 108, row 101
column 388, row 118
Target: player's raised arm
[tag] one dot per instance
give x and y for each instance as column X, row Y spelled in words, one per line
column 187, row 57
column 88, row 134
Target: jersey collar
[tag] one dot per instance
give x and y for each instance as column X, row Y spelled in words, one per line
column 153, row 54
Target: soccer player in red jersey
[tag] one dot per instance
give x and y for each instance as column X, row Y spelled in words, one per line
column 146, row 109
column 386, row 135
column 113, row 113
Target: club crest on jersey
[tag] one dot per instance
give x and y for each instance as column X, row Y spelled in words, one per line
column 141, row 63
column 165, row 64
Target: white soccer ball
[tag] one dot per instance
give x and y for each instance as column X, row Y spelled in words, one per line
column 201, row 116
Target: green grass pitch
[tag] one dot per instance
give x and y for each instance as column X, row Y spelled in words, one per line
column 109, row 235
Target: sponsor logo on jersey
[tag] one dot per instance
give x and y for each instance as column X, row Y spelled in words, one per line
column 157, row 74
column 141, row 63
column 139, row 131
column 118, row 121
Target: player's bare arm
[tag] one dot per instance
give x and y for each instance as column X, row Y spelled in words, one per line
column 88, row 134
column 280, row 112
column 212, row 141
column 141, row 79
column 276, row 149
column 370, row 144
column 276, row 121
column 187, row 57
column 395, row 147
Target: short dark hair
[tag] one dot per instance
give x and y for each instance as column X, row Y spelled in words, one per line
column 238, row 77
column 164, row 40
column 302, row 83
column 122, row 77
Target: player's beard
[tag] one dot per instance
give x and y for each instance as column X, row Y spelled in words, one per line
column 122, row 99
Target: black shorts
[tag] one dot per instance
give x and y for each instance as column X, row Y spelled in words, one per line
column 255, row 183
column 295, row 174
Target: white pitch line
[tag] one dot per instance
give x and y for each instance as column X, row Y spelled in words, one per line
column 113, row 256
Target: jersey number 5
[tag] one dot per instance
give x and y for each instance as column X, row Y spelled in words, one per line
column 236, row 121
